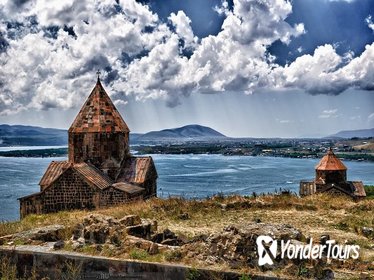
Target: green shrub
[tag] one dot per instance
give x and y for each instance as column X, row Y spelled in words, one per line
column 245, row 277
column 8, row 270
column 342, row 226
column 174, row 255
column 192, row 274
column 138, row 254
column 369, row 191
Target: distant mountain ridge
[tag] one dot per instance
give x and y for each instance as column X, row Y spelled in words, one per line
column 188, row 131
column 24, row 135
column 360, row 133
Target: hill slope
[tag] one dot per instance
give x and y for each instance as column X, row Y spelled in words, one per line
column 233, row 221
column 188, row 131
column 361, row 133
column 22, row 135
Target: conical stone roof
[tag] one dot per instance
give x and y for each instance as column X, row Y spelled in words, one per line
column 98, row 114
column 330, row 162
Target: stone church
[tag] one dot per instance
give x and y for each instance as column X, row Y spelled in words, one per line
column 331, row 177
column 99, row 171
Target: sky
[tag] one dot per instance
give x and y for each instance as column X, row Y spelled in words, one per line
column 247, row 68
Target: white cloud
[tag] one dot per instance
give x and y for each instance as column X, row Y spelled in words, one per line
column 183, row 27
column 330, row 113
column 326, row 72
column 120, row 102
column 370, row 23
column 43, row 72
column 235, row 59
column 310, row 72
column 54, row 48
column 371, row 117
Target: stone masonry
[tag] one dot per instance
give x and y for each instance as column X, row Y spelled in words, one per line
column 100, row 171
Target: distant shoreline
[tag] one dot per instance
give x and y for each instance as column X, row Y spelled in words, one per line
column 36, row 153
column 197, row 150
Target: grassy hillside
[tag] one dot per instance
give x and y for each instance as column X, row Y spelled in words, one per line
column 340, row 217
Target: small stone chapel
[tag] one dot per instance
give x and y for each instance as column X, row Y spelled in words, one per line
column 331, row 177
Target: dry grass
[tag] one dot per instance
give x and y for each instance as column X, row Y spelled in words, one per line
column 367, row 147
column 341, row 217
column 310, row 214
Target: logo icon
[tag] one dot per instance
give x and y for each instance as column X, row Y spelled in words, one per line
column 267, row 250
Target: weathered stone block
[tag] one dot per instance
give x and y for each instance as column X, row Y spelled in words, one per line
column 130, row 220
column 142, row 230
column 46, row 234
column 59, row 245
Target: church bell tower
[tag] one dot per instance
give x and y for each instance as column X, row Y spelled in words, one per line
column 98, row 134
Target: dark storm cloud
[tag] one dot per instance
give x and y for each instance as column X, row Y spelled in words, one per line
column 51, row 31
column 70, row 31
column 19, row 2
column 3, row 44
column 91, row 66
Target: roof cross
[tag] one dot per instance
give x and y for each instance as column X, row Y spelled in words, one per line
column 98, row 73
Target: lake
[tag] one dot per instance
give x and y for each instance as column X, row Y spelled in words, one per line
column 185, row 175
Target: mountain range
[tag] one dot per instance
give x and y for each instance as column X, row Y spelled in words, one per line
column 23, row 135
column 192, row 131
column 360, row 133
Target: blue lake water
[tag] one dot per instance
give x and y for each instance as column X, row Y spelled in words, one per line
column 187, row 175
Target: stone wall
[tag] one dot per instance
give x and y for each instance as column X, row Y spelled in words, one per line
column 335, row 176
column 150, row 184
column 307, row 188
column 70, row 192
column 111, row 196
column 65, row 265
column 67, row 193
column 30, row 205
column 104, row 150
